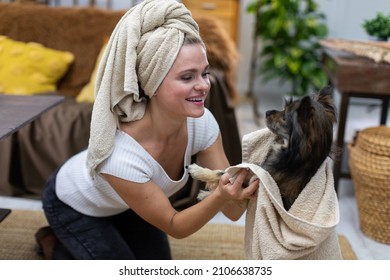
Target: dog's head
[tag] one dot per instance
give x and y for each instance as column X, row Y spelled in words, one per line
column 306, row 123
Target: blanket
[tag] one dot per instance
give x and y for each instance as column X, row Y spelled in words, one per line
column 307, row 230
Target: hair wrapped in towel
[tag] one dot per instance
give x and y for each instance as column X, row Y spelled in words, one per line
column 139, row 54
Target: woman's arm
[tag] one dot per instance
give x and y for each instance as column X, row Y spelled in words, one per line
column 150, row 203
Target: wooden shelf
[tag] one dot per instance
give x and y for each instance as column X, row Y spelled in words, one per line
column 227, row 11
column 358, row 77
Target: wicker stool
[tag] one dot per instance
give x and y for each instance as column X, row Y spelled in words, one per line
column 369, row 163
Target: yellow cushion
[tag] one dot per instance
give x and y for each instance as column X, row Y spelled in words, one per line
column 29, row 68
column 87, row 94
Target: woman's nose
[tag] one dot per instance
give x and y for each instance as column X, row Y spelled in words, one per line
column 203, row 84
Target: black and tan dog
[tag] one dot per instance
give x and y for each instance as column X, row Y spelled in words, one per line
column 304, row 130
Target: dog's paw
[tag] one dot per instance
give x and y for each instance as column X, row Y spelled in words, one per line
column 204, row 174
column 208, row 176
column 194, row 170
column 203, row 194
column 201, row 174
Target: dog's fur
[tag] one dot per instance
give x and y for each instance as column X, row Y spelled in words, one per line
column 304, row 130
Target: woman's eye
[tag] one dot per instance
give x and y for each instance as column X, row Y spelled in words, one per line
column 186, row 78
column 205, row 74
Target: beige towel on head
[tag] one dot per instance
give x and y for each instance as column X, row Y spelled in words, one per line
column 307, row 230
column 140, row 52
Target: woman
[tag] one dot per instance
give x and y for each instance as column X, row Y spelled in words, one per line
column 112, row 200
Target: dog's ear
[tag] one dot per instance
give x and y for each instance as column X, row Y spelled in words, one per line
column 326, row 92
column 296, row 128
column 305, row 109
column 325, row 98
column 301, row 126
column 287, row 101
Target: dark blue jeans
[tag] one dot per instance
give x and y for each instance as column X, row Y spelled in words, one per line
column 123, row 236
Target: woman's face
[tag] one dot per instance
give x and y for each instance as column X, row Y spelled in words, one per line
column 186, row 86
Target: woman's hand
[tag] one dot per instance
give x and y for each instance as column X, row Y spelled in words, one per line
column 235, row 188
column 238, row 191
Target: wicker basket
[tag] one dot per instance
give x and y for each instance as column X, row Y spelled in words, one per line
column 369, row 164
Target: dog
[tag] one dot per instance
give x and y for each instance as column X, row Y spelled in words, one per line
column 304, row 139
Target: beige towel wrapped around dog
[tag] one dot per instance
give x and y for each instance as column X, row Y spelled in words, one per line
column 139, row 54
column 307, row 230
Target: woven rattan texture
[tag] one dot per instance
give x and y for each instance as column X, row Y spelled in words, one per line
column 369, row 163
column 212, row 242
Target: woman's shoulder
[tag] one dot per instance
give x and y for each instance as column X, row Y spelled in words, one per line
column 125, row 144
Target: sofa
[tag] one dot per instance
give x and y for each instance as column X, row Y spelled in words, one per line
column 29, row 156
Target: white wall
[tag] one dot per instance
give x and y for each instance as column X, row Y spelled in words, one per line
column 344, row 19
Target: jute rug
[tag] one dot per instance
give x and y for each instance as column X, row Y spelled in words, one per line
column 212, row 242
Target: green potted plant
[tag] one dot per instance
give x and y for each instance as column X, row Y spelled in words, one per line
column 290, row 31
column 378, row 27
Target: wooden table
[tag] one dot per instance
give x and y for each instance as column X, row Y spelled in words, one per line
column 355, row 76
column 16, row 111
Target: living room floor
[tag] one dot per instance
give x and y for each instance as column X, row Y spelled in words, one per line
column 360, row 116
